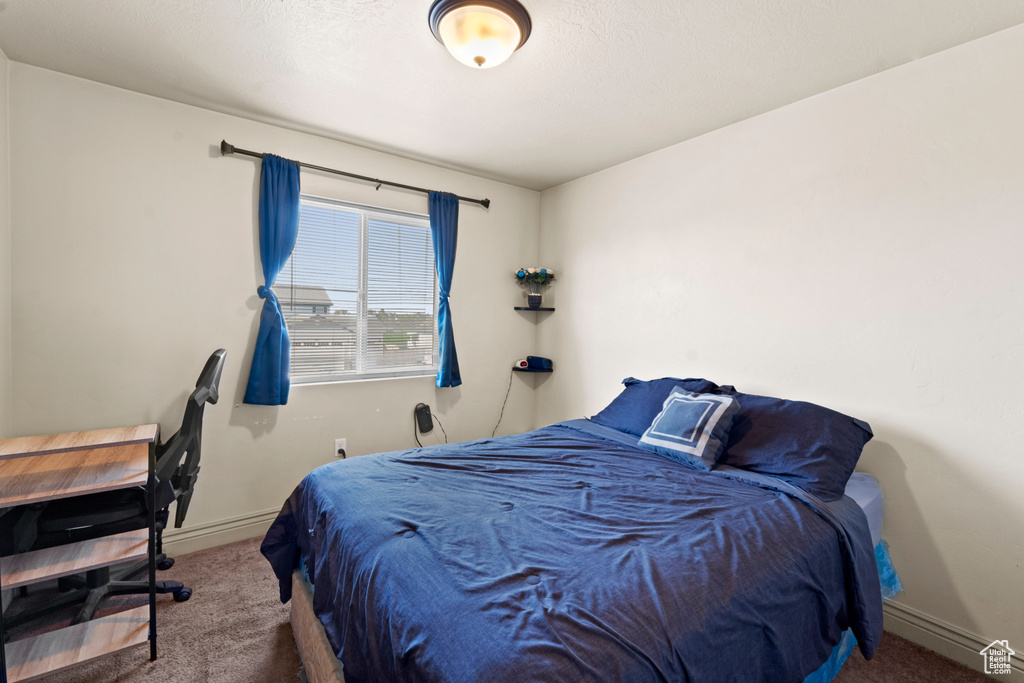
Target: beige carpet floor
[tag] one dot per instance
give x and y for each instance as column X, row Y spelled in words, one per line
column 235, row 630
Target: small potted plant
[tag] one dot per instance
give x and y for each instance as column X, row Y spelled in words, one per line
column 534, row 280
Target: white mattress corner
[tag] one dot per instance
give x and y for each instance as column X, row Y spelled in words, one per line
column 867, row 493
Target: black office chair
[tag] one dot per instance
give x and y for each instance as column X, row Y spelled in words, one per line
column 103, row 514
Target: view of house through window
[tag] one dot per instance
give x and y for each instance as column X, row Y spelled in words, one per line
column 359, row 294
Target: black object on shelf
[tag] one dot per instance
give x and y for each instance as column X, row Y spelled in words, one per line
column 527, row 308
column 518, row 369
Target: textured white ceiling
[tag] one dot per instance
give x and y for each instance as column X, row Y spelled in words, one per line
column 598, row 82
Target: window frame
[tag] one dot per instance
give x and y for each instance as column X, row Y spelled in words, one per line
column 367, row 213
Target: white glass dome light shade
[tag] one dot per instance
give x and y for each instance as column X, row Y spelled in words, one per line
column 480, row 33
column 479, row 36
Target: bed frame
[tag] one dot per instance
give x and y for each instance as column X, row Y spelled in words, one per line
column 317, row 656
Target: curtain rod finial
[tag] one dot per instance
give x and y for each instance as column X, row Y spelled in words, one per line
column 486, row 203
column 225, row 148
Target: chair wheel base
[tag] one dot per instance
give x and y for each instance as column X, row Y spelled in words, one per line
column 166, row 564
column 182, row 594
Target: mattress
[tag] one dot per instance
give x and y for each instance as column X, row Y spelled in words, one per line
column 866, row 492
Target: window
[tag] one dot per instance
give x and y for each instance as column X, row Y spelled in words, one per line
column 359, row 294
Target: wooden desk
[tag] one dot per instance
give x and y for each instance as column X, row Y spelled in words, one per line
column 42, row 468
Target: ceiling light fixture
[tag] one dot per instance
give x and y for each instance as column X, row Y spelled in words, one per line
column 480, row 33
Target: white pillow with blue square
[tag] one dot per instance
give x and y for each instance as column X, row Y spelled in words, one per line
column 691, row 428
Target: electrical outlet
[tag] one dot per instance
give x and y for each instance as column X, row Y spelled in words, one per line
column 340, row 446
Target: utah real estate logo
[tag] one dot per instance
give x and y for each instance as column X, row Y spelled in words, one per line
column 997, row 657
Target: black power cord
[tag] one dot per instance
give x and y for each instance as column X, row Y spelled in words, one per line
column 510, row 373
column 441, row 426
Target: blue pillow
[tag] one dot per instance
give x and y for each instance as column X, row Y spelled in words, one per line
column 635, row 408
column 809, row 446
column 691, row 428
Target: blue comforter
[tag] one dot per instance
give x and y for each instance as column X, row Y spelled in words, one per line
column 570, row 554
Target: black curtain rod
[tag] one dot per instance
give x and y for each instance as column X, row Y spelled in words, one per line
column 226, row 148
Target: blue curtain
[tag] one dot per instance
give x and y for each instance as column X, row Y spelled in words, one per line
column 279, row 224
column 444, row 228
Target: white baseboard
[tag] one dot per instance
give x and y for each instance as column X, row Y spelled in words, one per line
column 948, row 640
column 211, row 534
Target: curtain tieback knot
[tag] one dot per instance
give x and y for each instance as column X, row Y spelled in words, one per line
column 263, row 291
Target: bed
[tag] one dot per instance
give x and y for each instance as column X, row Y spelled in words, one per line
column 576, row 552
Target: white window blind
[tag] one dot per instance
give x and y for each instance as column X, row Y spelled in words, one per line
column 359, row 293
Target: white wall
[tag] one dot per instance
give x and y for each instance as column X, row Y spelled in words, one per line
column 861, row 249
column 136, row 255
column 5, row 257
